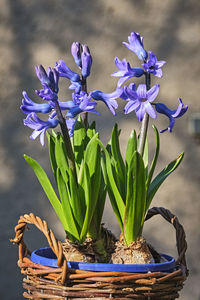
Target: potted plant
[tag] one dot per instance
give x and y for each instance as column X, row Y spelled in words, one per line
column 85, row 170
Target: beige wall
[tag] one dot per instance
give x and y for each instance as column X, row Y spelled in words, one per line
column 39, row 31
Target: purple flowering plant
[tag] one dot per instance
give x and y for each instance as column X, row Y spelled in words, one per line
column 84, row 169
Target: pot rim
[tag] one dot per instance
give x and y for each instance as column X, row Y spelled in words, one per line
column 45, row 256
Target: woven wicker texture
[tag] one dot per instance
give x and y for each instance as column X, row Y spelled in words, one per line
column 43, row 282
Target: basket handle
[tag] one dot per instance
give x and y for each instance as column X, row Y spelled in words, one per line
column 42, row 226
column 180, row 233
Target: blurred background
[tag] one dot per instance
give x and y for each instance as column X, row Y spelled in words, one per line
column 41, row 32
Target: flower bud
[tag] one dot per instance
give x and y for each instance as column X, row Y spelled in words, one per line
column 76, row 53
column 42, row 75
column 86, row 60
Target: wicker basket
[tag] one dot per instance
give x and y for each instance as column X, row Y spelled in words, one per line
column 43, row 282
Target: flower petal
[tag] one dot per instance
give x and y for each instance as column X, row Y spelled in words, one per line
column 150, row 110
column 153, row 92
column 140, row 112
column 142, row 91
column 130, row 106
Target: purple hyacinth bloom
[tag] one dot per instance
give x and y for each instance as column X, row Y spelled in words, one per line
column 82, row 103
column 39, row 126
column 76, row 53
column 42, row 75
column 86, row 61
column 48, row 79
column 108, row 98
column 153, row 65
column 76, row 86
column 136, row 45
column 140, row 100
column 171, row 114
column 125, row 71
column 29, row 106
column 47, row 94
column 64, row 71
column 70, row 125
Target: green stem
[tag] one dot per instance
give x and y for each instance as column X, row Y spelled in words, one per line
column 145, row 121
column 84, row 116
column 68, row 145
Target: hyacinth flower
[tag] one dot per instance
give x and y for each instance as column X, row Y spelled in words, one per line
column 171, row 114
column 76, row 86
column 140, row 100
column 86, row 61
column 29, row 106
column 125, row 71
column 108, row 98
column 136, row 45
column 81, row 103
column 65, row 71
column 76, row 50
column 71, row 125
column 82, row 58
column 48, row 79
column 152, row 65
column 39, row 126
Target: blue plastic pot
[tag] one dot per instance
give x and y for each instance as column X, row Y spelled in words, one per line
column 46, row 257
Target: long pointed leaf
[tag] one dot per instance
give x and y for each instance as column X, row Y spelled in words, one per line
column 114, row 194
column 131, row 147
column 118, row 161
column 60, row 154
column 65, row 201
column 87, row 192
column 154, row 161
column 78, row 142
column 51, row 144
column 78, row 207
column 136, row 199
column 48, row 189
column 160, row 178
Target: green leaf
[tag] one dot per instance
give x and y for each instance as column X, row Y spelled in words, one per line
column 71, row 229
column 131, row 147
column 78, row 207
column 135, row 199
column 48, row 189
column 119, row 163
column 93, row 161
column 153, row 164
column 159, row 179
column 87, row 194
column 92, row 153
column 114, row 194
column 146, row 156
column 60, row 153
column 51, row 144
column 79, row 141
